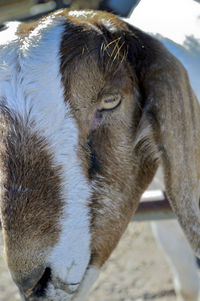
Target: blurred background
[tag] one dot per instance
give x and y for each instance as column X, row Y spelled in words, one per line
column 31, row 9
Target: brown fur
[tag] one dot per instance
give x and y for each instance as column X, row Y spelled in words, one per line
column 26, row 28
column 129, row 141
column 120, row 149
column 104, row 67
column 30, row 194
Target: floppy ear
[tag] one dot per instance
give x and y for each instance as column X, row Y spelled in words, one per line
column 171, row 109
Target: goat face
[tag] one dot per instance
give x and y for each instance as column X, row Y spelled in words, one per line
column 89, row 107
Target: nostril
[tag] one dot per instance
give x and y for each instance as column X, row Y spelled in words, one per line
column 40, row 288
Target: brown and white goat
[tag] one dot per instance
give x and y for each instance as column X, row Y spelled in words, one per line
column 89, row 108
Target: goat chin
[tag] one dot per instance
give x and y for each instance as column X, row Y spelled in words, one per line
column 89, row 108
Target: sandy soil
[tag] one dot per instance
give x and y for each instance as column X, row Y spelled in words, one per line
column 136, row 271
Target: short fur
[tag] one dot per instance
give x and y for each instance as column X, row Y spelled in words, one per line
column 157, row 121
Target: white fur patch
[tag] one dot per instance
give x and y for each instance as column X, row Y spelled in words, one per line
column 30, row 83
column 59, row 295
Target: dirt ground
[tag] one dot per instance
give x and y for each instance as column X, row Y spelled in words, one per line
column 136, row 271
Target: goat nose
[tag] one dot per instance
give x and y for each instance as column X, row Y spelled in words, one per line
column 34, row 286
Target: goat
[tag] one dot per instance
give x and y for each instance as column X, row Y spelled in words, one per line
column 90, row 106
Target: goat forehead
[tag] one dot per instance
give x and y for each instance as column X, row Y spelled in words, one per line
column 87, row 81
column 89, row 72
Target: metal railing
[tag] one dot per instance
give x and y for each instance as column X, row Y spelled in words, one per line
column 153, row 206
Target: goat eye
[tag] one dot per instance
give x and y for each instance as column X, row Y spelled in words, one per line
column 110, row 102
